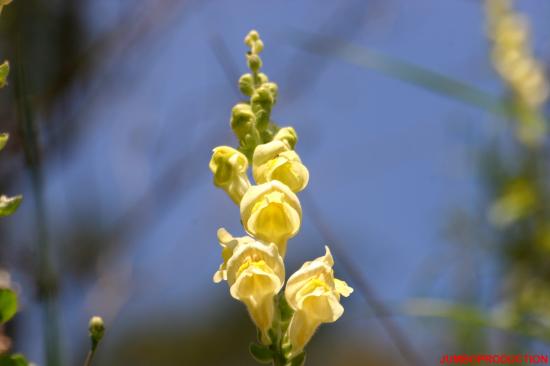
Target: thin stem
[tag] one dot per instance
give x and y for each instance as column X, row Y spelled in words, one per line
column 89, row 358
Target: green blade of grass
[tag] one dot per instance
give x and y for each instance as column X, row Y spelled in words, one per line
column 402, row 70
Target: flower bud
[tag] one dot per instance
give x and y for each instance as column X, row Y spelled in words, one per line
column 275, row 161
column 246, row 84
column 242, row 120
column 261, row 102
column 274, row 89
column 229, row 168
column 288, row 135
column 252, row 37
column 254, row 62
column 262, row 78
column 97, row 329
column 258, row 46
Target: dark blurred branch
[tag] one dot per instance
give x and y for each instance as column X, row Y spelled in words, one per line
column 46, row 277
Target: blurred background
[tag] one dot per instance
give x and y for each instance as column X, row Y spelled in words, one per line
column 438, row 214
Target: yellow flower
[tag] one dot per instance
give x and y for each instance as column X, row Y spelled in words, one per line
column 229, row 167
column 255, row 273
column 275, row 161
column 228, row 244
column 4, row 3
column 271, row 213
column 314, row 294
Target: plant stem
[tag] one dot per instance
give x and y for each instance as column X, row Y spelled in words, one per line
column 89, row 358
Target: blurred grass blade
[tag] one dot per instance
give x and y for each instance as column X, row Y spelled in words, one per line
column 499, row 318
column 398, row 69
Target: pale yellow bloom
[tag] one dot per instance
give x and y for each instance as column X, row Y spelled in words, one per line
column 229, row 167
column 314, row 294
column 255, row 273
column 4, row 3
column 228, row 244
column 276, row 161
column 271, row 212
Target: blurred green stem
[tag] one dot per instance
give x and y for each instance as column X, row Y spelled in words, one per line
column 89, row 358
column 46, row 279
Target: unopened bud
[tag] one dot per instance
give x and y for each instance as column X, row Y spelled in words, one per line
column 261, row 102
column 246, row 84
column 242, row 120
column 252, row 37
column 254, row 62
column 97, row 329
column 288, row 135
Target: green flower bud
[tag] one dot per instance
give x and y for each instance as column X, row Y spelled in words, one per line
column 262, row 78
column 97, row 329
column 254, row 62
column 261, row 102
column 258, row 46
column 287, row 135
column 246, row 84
column 274, row 89
column 252, row 37
column 242, row 120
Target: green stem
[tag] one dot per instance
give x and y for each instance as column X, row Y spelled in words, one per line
column 89, row 358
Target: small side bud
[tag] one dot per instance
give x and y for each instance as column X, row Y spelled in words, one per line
column 242, row 120
column 288, row 135
column 261, row 103
column 254, row 62
column 246, row 84
column 252, row 37
column 97, row 330
column 274, row 89
column 262, row 78
column 258, row 46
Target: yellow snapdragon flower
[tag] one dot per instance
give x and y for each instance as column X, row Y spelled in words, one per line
column 228, row 244
column 276, row 161
column 229, row 167
column 4, row 3
column 314, row 294
column 255, row 273
column 271, row 212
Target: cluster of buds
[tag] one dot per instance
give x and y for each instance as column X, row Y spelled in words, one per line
column 514, row 61
column 271, row 214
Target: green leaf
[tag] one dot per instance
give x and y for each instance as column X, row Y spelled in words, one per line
column 8, row 205
column 299, row 360
column 13, row 360
column 4, row 71
column 8, row 304
column 260, row 353
column 3, row 140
